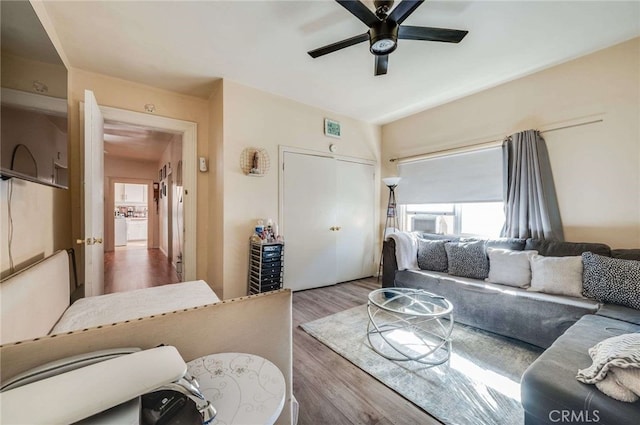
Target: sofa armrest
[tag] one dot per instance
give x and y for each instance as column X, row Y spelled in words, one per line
column 389, row 263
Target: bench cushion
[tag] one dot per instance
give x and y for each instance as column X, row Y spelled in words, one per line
column 533, row 317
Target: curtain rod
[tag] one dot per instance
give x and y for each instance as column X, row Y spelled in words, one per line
column 483, row 145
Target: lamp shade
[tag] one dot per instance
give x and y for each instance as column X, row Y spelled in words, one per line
column 391, row 181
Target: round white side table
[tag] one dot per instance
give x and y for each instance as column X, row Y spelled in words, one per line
column 244, row 388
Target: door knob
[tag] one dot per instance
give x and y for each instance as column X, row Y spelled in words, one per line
column 80, row 241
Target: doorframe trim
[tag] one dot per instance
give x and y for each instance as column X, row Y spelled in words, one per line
column 189, row 131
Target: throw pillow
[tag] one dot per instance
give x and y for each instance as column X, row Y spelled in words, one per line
column 557, row 275
column 612, row 280
column 467, row 259
column 432, row 255
column 510, row 267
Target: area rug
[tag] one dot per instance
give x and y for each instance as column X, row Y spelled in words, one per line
column 479, row 384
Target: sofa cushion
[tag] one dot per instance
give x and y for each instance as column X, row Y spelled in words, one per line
column 612, row 280
column 513, row 244
column 563, row 249
column 626, row 254
column 532, row 317
column 439, row 237
column 509, row 267
column 620, row 312
column 467, row 259
column 557, row 275
column 432, row 255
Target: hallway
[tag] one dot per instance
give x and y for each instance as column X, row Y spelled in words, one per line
column 136, row 268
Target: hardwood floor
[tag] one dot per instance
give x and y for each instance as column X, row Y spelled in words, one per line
column 129, row 269
column 329, row 388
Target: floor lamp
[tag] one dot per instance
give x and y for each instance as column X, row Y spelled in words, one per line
column 392, row 214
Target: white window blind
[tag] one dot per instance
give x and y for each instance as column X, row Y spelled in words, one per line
column 474, row 176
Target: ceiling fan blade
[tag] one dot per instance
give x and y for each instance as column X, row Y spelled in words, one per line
column 382, row 62
column 431, row 34
column 330, row 48
column 360, row 11
column 404, row 9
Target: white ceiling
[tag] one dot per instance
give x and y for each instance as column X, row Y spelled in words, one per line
column 184, row 46
column 135, row 142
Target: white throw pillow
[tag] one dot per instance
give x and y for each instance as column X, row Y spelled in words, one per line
column 510, row 267
column 557, row 275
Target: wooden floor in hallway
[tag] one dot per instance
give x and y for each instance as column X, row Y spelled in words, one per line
column 136, row 268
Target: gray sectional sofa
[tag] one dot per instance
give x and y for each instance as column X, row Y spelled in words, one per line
column 565, row 326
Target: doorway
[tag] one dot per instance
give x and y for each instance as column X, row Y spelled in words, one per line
column 333, row 199
column 140, row 212
column 94, row 118
column 131, row 216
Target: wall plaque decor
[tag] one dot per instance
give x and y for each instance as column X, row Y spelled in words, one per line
column 332, row 128
column 255, row 162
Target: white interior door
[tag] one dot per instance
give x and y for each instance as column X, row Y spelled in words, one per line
column 309, row 215
column 93, row 196
column 355, row 212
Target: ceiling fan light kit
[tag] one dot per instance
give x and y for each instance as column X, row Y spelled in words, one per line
column 383, row 37
column 385, row 29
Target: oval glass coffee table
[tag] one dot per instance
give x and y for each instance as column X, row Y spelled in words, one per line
column 410, row 324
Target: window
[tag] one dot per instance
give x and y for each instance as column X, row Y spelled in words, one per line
column 483, row 219
column 459, row 193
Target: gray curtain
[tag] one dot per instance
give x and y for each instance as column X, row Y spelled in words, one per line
column 531, row 205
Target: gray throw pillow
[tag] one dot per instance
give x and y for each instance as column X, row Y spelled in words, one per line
column 557, row 275
column 432, row 255
column 611, row 280
column 512, row 268
column 467, row 259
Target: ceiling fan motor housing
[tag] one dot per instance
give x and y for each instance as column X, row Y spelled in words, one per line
column 383, row 7
column 383, row 37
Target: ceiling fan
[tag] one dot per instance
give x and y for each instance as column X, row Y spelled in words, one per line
column 385, row 30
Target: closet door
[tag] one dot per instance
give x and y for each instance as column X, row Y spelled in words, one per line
column 355, row 212
column 309, row 214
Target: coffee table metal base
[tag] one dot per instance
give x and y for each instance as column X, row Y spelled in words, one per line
column 401, row 337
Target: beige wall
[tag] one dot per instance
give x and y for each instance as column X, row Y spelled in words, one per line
column 40, row 218
column 596, row 167
column 19, row 73
column 257, row 119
